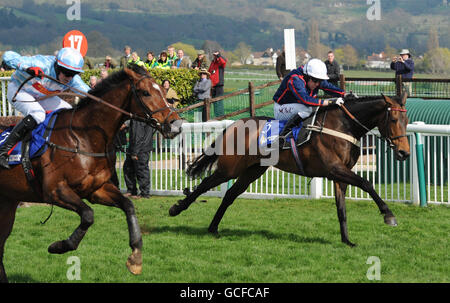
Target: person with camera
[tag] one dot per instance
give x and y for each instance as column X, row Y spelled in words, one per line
column 403, row 65
column 217, row 71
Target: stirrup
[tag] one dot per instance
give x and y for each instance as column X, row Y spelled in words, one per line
column 4, row 163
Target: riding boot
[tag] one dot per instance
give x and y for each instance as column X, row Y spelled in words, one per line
column 18, row 133
column 290, row 124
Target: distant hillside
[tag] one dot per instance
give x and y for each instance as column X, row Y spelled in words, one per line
column 152, row 24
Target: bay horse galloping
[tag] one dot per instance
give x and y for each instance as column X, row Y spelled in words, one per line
column 324, row 155
column 79, row 162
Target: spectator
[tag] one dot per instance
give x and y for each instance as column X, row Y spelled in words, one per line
column 163, row 62
column 403, row 65
column 217, row 70
column 281, row 66
column 109, row 63
column 182, row 61
column 332, row 69
column 4, row 66
column 151, row 61
column 87, row 63
column 127, row 56
column 92, row 81
column 170, row 94
column 103, row 74
column 135, row 59
column 202, row 89
column 135, row 168
column 120, row 139
column 201, row 61
column 171, row 55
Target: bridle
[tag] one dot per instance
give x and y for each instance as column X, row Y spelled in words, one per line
column 148, row 113
column 388, row 138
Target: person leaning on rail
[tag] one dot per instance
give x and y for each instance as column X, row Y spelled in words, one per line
column 297, row 95
column 65, row 67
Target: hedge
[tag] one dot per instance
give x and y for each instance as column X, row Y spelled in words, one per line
column 181, row 80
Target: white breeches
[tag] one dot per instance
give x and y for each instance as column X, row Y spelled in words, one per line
column 287, row 111
column 35, row 109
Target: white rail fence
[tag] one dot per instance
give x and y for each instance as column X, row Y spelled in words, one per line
column 393, row 180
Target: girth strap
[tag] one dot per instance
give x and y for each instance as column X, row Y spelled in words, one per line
column 335, row 133
column 77, row 151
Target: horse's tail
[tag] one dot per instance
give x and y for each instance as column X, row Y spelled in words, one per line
column 201, row 164
column 205, row 161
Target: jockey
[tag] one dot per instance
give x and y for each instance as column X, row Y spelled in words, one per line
column 295, row 98
column 65, row 67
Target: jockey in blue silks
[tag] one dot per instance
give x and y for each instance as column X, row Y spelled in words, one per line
column 297, row 95
column 65, row 67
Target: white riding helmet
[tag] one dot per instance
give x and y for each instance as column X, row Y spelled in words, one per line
column 317, row 69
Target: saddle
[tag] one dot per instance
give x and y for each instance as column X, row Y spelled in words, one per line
column 301, row 134
column 32, row 146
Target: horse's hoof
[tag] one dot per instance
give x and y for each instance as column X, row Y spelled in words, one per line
column 174, row 210
column 391, row 221
column 350, row 244
column 214, row 232
column 60, row 247
column 134, row 262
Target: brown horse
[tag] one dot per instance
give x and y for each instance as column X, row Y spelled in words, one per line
column 324, row 155
column 79, row 165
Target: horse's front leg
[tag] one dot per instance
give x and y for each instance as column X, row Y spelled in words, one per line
column 63, row 196
column 345, row 175
column 339, row 193
column 110, row 195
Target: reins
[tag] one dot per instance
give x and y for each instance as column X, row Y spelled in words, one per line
column 79, row 93
column 388, row 139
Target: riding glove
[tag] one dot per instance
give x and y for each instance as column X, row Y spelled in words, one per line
column 35, row 71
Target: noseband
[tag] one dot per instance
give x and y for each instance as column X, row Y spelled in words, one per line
column 389, row 139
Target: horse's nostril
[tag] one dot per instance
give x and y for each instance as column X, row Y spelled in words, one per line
column 404, row 154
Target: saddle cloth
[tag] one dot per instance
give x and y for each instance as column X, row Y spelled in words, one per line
column 272, row 129
column 39, row 136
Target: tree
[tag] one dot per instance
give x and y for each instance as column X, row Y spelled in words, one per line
column 433, row 39
column 189, row 50
column 210, row 47
column 390, row 52
column 242, row 51
column 347, row 56
column 437, row 61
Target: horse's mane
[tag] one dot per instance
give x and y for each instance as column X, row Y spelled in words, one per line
column 110, row 82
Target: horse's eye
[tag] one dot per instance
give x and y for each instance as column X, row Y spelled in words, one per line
column 145, row 93
column 393, row 120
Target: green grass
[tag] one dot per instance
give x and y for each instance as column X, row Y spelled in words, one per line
column 261, row 241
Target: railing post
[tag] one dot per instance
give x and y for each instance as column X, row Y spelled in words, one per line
column 420, row 166
column 342, row 81
column 316, row 188
column 251, row 94
column 398, row 85
column 207, row 103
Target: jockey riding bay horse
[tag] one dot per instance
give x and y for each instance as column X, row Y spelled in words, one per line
column 324, row 155
column 78, row 165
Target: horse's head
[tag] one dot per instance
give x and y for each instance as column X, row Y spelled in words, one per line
column 393, row 127
column 150, row 105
